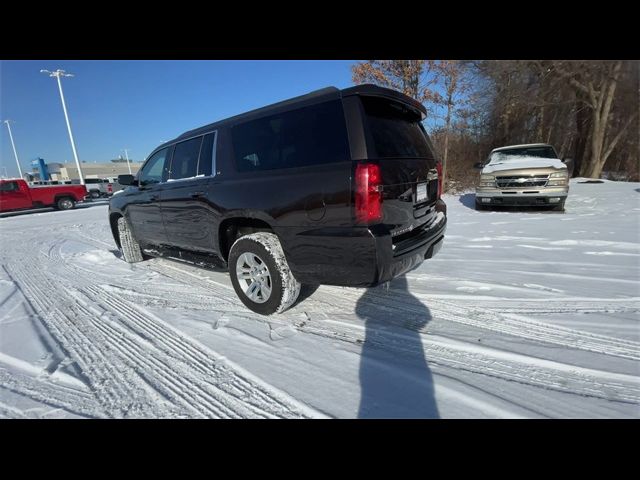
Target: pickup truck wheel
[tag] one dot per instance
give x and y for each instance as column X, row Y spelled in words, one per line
column 260, row 274
column 94, row 194
column 65, row 203
column 131, row 252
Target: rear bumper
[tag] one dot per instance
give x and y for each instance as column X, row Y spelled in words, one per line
column 359, row 256
column 392, row 263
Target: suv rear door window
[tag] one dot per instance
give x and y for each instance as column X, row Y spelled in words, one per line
column 310, row 135
column 185, row 159
column 205, row 164
column 395, row 129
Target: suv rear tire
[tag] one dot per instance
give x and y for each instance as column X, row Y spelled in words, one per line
column 260, row 274
column 131, row 252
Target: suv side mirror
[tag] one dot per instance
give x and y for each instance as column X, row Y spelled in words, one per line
column 478, row 166
column 127, row 180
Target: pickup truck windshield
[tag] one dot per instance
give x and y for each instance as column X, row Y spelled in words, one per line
column 503, row 155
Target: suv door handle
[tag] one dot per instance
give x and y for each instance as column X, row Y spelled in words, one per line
column 197, row 194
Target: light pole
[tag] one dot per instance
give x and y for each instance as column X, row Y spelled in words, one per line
column 128, row 164
column 15, row 153
column 61, row 73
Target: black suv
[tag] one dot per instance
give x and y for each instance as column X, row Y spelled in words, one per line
column 337, row 187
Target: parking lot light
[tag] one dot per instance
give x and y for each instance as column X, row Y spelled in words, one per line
column 15, row 153
column 57, row 74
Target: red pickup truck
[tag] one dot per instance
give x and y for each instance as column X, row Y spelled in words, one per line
column 16, row 195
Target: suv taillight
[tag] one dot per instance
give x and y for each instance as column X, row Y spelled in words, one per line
column 110, row 188
column 439, row 169
column 368, row 193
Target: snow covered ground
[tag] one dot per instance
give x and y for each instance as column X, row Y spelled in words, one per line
column 522, row 314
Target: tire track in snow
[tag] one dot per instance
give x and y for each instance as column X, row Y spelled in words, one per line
column 534, row 330
column 393, row 303
column 54, row 395
column 232, row 390
column 141, row 356
column 213, row 295
column 335, row 301
column 7, row 411
column 482, row 318
column 519, row 368
column 445, row 356
column 569, row 306
column 117, row 387
column 181, row 369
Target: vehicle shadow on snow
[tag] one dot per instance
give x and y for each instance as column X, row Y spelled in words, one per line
column 395, row 381
column 468, row 200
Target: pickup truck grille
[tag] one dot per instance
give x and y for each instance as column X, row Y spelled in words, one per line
column 519, row 181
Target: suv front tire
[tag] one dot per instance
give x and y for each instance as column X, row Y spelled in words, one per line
column 130, row 248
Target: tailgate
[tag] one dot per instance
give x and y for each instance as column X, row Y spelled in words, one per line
column 409, row 191
column 399, row 144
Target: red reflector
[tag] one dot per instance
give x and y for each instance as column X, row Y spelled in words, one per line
column 368, row 194
column 439, row 169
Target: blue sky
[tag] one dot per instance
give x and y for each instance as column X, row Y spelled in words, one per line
column 114, row 105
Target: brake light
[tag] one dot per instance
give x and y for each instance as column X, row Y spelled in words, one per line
column 110, row 188
column 368, row 193
column 439, row 169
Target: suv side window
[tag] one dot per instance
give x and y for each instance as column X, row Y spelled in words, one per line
column 185, row 159
column 154, row 168
column 310, row 135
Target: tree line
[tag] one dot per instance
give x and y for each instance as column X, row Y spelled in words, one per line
column 588, row 110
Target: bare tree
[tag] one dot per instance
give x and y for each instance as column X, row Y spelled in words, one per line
column 597, row 83
column 588, row 110
column 450, row 74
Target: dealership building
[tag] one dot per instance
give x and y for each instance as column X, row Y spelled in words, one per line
column 69, row 171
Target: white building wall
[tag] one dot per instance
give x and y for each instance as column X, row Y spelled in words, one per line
column 69, row 171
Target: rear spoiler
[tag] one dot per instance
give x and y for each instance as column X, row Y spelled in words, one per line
column 376, row 91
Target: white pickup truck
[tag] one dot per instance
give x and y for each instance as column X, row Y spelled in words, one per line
column 530, row 174
column 99, row 187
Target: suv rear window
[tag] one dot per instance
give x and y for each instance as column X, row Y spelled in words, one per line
column 396, row 130
column 307, row 136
